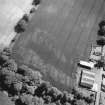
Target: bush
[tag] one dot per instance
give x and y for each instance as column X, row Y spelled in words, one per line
column 20, row 26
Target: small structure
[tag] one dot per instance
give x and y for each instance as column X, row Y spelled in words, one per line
column 87, row 79
column 96, row 53
column 87, row 65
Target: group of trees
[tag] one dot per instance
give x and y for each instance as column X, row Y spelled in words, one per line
column 101, row 33
column 101, row 42
column 20, row 26
column 17, row 79
column 25, row 86
column 36, row 2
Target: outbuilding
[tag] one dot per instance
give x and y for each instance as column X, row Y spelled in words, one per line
column 87, row 65
column 87, row 79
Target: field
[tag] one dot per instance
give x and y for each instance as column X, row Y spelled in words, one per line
column 60, row 34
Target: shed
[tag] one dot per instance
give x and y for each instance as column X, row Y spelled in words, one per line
column 85, row 64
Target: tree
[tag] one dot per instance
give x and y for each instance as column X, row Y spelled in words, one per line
column 32, row 10
column 7, row 51
column 25, row 18
column 10, row 81
column 65, row 97
column 51, row 104
column 11, row 84
column 101, row 32
column 42, row 89
column 11, row 65
column 74, row 91
column 31, row 89
column 20, row 26
column 47, row 99
column 88, row 100
column 80, row 102
column 34, row 77
column 74, row 102
column 5, row 55
column 54, row 93
column 9, row 78
column 4, row 100
column 37, row 101
column 25, row 80
column 26, row 99
column 99, row 64
column 101, row 42
column 102, row 24
column 36, row 2
column 3, row 73
column 66, row 103
column 25, row 70
column 78, row 96
column 17, row 87
column 58, row 102
column 3, row 59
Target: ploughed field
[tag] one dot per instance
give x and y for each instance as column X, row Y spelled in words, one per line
column 59, row 34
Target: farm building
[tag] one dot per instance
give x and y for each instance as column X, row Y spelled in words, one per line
column 85, row 64
column 87, row 79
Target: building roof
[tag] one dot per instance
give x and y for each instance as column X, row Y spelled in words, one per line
column 87, row 78
column 88, row 64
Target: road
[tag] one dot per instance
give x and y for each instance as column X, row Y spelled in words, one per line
column 98, row 97
column 61, row 33
column 98, row 81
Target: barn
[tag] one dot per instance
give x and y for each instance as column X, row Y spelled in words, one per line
column 87, row 79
